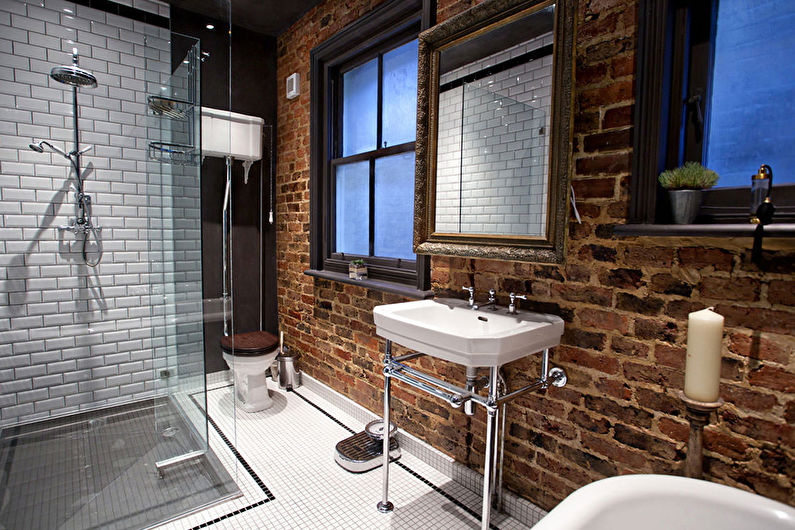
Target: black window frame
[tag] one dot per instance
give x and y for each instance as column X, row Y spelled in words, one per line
column 673, row 35
column 383, row 29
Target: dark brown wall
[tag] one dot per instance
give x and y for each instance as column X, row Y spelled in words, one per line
column 625, row 302
column 253, row 92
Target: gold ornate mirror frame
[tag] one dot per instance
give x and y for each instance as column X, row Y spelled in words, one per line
column 472, row 23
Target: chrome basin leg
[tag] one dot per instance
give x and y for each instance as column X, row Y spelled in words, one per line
column 491, row 433
column 494, row 456
column 385, row 506
column 501, row 442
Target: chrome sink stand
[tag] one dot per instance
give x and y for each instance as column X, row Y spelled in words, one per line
column 494, row 403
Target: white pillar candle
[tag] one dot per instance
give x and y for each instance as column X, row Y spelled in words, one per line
column 702, row 367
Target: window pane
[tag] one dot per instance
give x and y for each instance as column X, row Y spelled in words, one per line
column 353, row 208
column 752, row 108
column 400, row 95
column 394, row 206
column 360, row 108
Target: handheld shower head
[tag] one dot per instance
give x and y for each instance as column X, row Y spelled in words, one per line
column 39, row 148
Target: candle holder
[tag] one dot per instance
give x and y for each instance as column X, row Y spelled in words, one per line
column 698, row 414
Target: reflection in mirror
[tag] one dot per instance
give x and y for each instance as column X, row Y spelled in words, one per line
column 494, row 132
column 495, row 100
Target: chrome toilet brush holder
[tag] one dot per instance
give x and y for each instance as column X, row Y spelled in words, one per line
column 284, row 370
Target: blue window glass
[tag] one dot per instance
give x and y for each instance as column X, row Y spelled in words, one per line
column 752, row 108
column 394, row 206
column 360, row 108
column 400, row 95
column 353, row 208
column 383, row 228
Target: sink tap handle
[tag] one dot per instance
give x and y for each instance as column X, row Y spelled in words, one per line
column 471, row 291
column 512, row 306
column 492, row 296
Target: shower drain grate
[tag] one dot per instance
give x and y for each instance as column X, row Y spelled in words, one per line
column 361, row 452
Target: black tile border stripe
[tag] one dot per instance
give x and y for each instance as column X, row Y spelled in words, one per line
column 268, row 494
column 231, row 514
column 256, row 478
column 325, row 413
column 126, row 11
column 413, row 473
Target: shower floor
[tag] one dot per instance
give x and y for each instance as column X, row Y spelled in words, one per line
column 97, row 470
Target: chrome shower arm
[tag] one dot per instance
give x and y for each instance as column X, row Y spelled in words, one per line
column 39, row 147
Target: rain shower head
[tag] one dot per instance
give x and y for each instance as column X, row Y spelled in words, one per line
column 73, row 75
column 37, row 147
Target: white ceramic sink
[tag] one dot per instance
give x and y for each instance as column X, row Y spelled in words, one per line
column 662, row 502
column 449, row 329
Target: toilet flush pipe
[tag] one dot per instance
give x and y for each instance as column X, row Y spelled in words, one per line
column 225, row 244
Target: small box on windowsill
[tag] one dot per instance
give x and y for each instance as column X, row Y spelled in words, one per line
column 357, row 270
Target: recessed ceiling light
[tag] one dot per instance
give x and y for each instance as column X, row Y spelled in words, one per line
column 209, row 26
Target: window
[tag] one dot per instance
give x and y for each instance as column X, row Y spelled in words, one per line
column 364, row 106
column 373, row 174
column 714, row 85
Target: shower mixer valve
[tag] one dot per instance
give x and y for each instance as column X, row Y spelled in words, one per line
column 78, row 228
column 81, row 223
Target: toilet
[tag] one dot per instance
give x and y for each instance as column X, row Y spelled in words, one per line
column 248, row 356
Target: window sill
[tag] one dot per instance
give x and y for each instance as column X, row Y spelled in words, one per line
column 712, row 230
column 376, row 285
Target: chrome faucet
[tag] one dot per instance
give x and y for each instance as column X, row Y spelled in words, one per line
column 513, row 305
column 471, row 295
column 492, row 301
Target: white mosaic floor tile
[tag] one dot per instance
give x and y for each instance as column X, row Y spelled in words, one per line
column 290, row 447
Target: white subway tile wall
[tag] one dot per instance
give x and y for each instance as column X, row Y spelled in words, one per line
column 491, row 174
column 73, row 337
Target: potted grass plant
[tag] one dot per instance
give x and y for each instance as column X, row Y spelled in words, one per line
column 686, row 185
column 357, row 270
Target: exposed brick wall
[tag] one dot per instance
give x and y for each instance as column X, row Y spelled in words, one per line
column 625, row 302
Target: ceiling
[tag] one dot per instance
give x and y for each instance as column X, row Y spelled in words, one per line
column 270, row 17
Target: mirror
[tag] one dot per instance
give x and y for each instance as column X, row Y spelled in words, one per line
column 493, row 132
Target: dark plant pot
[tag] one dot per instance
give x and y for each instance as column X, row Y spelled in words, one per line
column 685, row 205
